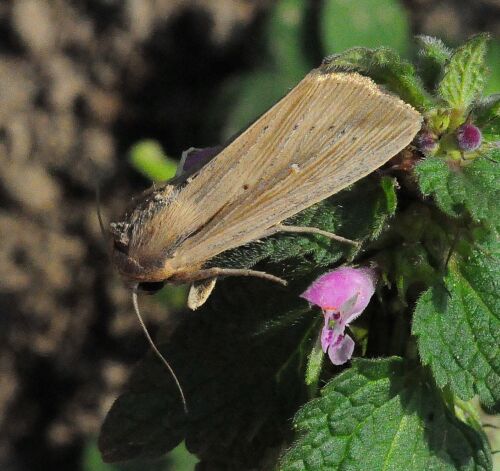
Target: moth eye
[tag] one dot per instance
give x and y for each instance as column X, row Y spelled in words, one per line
column 120, row 247
column 151, row 287
column 120, row 232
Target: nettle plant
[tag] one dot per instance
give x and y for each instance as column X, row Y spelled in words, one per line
column 370, row 358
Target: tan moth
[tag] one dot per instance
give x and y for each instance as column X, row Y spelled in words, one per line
column 329, row 131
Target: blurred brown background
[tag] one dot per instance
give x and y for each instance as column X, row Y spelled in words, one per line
column 80, row 82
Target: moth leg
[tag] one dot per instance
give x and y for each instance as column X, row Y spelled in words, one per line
column 199, row 292
column 313, row 230
column 216, row 271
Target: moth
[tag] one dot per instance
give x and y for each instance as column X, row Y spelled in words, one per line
column 329, row 131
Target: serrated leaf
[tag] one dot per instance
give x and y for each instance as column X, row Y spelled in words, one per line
column 148, row 158
column 432, row 56
column 487, row 109
column 344, row 24
column 465, row 73
column 385, row 67
column 487, row 117
column 238, row 408
column 474, row 188
column 458, row 327
column 383, row 415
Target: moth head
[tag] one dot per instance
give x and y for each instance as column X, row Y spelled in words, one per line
column 139, row 260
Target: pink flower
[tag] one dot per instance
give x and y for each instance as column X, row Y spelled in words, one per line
column 343, row 295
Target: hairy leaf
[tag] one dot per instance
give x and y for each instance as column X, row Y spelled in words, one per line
column 385, row 67
column 487, row 117
column 458, row 327
column 380, row 415
column 432, row 56
column 474, row 188
column 465, row 73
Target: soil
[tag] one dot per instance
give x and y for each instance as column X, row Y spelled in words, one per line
column 80, row 82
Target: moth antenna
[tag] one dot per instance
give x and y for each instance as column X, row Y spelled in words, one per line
column 99, row 212
column 156, row 351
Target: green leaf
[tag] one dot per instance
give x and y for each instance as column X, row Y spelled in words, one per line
column 344, row 24
column 385, row 207
column 432, row 57
column 487, row 117
column 314, row 363
column 241, row 387
column 493, row 83
column 487, row 109
column 385, row 67
column 465, row 73
column 383, row 415
column 458, row 327
column 148, row 158
column 474, row 188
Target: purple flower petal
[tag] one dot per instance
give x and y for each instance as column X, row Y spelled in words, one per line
column 331, row 290
column 341, row 352
column 327, row 336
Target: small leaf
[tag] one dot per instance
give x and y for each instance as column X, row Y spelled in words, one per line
column 148, row 158
column 345, row 24
column 314, row 363
column 458, row 327
column 432, row 57
column 493, row 84
column 474, row 188
column 487, row 117
column 465, row 73
column 385, row 207
column 385, row 67
column 487, row 109
column 380, row 415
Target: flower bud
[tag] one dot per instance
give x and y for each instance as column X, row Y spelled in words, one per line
column 427, row 142
column 469, row 137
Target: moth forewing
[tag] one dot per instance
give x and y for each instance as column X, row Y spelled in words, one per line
column 331, row 130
